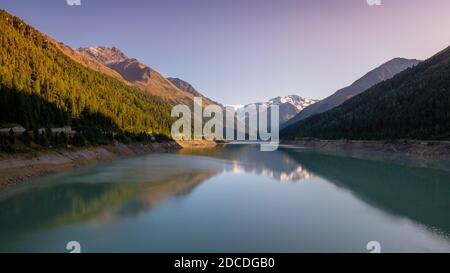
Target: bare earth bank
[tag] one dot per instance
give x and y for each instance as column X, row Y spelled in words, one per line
column 419, row 153
column 410, row 147
column 20, row 167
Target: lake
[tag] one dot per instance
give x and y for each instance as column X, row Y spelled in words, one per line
column 232, row 199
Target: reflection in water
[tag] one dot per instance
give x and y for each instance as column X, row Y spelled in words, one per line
column 225, row 199
column 299, row 174
column 93, row 200
column 247, row 159
column 420, row 194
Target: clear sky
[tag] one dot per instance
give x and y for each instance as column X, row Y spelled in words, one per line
column 241, row 51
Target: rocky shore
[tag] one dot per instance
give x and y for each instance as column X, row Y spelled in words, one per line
column 431, row 154
column 16, row 168
column 402, row 147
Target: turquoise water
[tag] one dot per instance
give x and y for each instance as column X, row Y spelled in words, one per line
column 233, row 199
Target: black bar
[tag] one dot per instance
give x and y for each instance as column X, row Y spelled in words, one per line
column 281, row 262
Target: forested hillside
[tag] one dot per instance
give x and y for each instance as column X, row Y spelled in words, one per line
column 415, row 104
column 40, row 86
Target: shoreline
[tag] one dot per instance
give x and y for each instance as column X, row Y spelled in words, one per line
column 430, row 149
column 435, row 154
column 19, row 168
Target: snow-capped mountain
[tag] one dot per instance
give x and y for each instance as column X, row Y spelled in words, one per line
column 289, row 106
column 298, row 102
column 104, row 54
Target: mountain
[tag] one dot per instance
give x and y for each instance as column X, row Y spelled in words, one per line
column 414, row 104
column 44, row 83
column 187, row 87
column 104, row 55
column 87, row 61
column 289, row 105
column 137, row 73
column 142, row 76
column 379, row 74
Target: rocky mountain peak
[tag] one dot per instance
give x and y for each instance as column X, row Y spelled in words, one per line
column 103, row 54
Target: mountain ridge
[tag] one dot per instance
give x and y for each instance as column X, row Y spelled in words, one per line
column 189, row 88
column 289, row 105
column 381, row 73
column 139, row 74
column 414, row 104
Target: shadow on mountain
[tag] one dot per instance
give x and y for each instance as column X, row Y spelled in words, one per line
column 33, row 111
column 420, row 194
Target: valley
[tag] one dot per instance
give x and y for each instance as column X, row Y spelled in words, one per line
column 221, row 126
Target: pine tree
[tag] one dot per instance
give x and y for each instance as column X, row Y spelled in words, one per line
column 11, row 137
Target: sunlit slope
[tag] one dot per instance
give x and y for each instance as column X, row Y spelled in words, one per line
column 42, row 86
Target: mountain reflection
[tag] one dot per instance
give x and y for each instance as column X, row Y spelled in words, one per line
column 297, row 175
column 248, row 159
column 130, row 189
column 68, row 203
column 420, row 194
column 102, row 196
